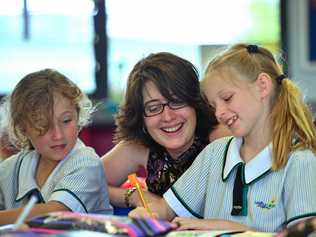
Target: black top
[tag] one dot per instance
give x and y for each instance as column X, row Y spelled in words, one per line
column 163, row 171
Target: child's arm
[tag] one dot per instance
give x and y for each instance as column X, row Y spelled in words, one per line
column 208, row 224
column 160, row 209
column 10, row 216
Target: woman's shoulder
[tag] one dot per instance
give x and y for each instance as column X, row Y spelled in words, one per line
column 132, row 146
column 127, row 150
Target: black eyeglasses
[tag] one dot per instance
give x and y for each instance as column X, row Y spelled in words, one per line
column 154, row 107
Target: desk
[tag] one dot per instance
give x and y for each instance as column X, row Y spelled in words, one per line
column 71, row 224
column 83, row 233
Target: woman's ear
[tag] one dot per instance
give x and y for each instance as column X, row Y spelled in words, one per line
column 264, row 84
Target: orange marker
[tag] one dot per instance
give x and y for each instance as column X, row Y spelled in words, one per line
column 134, row 181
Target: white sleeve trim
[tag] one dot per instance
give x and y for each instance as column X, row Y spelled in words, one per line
column 176, row 205
column 68, row 200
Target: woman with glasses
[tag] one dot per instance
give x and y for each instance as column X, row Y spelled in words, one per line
column 162, row 125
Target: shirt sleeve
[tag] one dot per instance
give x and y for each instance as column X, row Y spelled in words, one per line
column 82, row 186
column 1, row 198
column 8, row 174
column 300, row 187
column 1, row 189
column 188, row 195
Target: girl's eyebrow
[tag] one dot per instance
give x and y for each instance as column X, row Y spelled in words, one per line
column 67, row 112
column 221, row 91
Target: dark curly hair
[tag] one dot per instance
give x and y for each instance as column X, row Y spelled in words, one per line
column 174, row 77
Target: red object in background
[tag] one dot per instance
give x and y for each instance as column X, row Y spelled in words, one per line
column 100, row 138
column 142, row 181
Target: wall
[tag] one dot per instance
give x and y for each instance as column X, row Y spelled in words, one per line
column 301, row 68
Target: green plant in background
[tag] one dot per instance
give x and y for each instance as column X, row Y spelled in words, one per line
column 266, row 28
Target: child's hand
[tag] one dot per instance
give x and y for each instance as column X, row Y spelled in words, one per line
column 208, row 224
column 302, row 228
column 192, row 224
column 141, row 212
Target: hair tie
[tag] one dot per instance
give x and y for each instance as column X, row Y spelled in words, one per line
column 280, row 78
column 252, row 48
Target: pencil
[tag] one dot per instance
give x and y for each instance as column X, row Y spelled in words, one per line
column 26, row 211
column 134, row 181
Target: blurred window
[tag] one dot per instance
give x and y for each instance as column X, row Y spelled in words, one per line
column 192, row 29
column 59, row 34
column 50, row 34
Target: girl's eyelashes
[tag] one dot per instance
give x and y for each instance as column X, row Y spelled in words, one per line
column 228, row 98
column 211, row 105
column 68, row 120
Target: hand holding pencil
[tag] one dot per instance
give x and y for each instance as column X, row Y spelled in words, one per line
column 134, row 181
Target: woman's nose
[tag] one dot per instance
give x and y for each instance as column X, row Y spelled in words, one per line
column 168, row 113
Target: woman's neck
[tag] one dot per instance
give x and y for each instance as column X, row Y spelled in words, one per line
column 176, row 153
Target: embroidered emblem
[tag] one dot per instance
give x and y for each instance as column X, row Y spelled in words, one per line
column 269, row 205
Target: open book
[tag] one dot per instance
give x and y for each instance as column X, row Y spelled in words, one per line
column 215, row 233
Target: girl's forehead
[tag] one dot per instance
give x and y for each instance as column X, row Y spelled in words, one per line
column 216, row 82
column 61, row 99
column 63, row 104
column 217, row 86
column 224, row 79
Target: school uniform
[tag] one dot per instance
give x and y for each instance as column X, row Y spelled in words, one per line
column 266, row 200
column 78, row 181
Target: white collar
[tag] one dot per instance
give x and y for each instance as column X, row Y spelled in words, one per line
column 255, row 168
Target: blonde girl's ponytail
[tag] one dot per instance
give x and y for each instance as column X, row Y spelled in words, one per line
column 292, row 123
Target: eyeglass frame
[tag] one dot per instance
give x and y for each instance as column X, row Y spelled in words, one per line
column 169, row 104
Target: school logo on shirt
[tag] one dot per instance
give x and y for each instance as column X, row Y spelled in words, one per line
column 268, row 205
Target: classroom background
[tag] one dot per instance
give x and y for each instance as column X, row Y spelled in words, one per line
column 96, row 43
